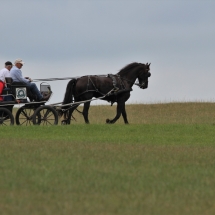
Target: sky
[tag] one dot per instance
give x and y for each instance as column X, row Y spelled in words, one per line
column 70, row 38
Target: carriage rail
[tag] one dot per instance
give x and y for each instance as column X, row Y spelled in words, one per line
column 59, row 104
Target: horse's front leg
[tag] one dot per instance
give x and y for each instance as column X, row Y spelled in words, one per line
column 118, row 113
column 85, row 112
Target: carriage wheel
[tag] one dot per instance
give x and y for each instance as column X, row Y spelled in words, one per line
column 6, row 117
column 45, row 115
column 24, row 116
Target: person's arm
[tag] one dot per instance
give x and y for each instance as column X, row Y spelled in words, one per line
column 20, row 77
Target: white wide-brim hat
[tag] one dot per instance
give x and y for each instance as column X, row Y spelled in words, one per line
column 18, row 61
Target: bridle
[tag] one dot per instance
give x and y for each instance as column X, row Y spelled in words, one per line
column 138, row 84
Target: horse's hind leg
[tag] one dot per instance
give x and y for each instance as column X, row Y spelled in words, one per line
column 85, row 112
column 118, row 114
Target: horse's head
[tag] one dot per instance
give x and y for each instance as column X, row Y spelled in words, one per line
column 143, row 75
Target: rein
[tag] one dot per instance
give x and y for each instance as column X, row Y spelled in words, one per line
column 60, row 79
column 54, row 79
column 69, row 78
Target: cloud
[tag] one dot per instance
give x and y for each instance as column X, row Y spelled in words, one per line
column 72, row 38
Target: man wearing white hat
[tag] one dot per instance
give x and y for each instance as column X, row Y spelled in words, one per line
column 16, row 75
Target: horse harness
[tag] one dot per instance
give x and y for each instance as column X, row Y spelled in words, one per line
column 116, row 89
column 114, row 80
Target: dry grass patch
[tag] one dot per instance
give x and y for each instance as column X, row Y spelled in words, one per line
column 177, row 113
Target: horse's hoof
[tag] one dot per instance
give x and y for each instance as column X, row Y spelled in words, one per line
column 63, row 122
column 108, row 121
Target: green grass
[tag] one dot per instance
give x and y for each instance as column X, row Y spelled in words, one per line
column 142, row 168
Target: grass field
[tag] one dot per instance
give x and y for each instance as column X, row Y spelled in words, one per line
column 162, row 163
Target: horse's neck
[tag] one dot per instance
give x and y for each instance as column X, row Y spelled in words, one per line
column 130, row 78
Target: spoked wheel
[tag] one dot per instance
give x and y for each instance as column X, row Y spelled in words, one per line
column 24, row 116
column 6, row 117
column 45, row 115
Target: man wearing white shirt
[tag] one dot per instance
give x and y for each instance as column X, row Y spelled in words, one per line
column 5, row 72
column 16, row 75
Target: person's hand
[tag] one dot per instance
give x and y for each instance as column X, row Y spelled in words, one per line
column 29, row 79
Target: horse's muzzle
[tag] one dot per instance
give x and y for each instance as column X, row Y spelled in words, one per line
column 144, row 85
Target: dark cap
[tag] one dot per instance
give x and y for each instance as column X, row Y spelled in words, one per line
column 8, row 63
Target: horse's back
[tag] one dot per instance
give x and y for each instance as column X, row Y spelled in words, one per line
column 94, row 85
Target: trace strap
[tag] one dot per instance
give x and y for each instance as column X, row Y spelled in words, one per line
column 79, row 102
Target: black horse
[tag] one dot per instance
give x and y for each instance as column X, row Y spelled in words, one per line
column 112, row 88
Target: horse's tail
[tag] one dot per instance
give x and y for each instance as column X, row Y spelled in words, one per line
column 69, row 92
column 68, row 95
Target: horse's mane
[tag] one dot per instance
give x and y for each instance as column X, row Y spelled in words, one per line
column 127, row 68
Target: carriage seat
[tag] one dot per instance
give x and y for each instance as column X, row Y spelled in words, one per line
column 8, row 81
column 7, row 91
column 11, row 89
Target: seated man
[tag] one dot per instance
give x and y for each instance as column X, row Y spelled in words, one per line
column 16, row 75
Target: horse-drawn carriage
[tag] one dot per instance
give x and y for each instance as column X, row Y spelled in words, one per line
column 31, row 111
column 80, row 90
